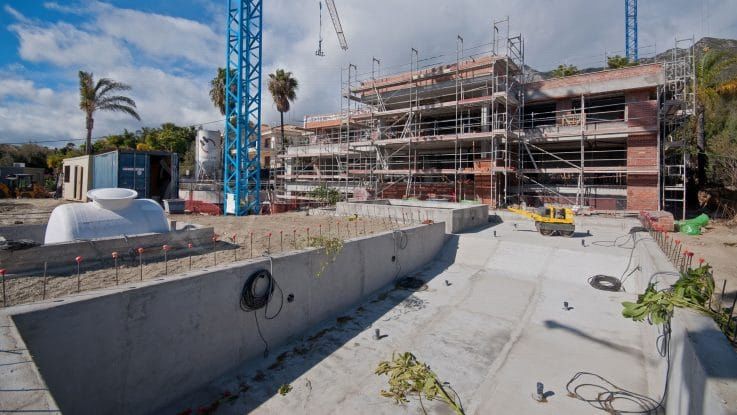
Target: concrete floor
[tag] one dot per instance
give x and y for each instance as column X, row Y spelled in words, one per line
column 493, row 333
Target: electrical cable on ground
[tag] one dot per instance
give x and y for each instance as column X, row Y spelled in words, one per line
column 611, row 283
column 609, row 393
column 251, row 300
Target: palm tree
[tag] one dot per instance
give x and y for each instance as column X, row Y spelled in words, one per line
column 710, row 84
column 99, row 96
column 217, row 90
column 283, row 89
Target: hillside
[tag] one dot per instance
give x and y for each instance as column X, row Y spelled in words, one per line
column 700, row 47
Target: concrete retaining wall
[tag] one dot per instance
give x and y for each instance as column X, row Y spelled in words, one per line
column 95, row 252
column 136, row 350
column 703, row 365
column 456, row 216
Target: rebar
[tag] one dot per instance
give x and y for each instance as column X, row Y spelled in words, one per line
column 43, row 291
column 165, row 248
column 79, row 277
column 189, row 245
column 140, row 263
column 5, row 299
column 721, row 300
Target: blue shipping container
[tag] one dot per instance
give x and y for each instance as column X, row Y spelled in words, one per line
column 153, row 174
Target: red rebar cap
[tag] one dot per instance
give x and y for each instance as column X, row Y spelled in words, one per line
column 166, row 247
column 115, row 254
column 139, row 250
column 189, row 245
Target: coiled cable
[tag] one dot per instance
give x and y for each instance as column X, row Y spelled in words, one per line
column 252, row 300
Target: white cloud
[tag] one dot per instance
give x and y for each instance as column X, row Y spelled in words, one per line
column 15, row 14
column 161, row 36
column 31, row 112
column 65, row 45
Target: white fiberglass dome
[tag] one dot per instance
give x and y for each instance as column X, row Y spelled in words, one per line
column 112, row 212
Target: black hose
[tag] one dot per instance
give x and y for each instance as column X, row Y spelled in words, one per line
column 252, row 301
column 605, row 282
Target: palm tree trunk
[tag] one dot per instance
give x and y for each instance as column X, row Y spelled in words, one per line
column 701, row 160
column 281, row 145
column 88, row 142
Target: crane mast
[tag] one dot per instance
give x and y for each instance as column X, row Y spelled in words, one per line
column 242, row 136
column 630, row 30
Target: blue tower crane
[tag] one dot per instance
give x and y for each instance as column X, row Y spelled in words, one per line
column 630, row 29
column 242, row 137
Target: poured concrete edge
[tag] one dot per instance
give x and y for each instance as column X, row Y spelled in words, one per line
column 458, row 217
column 703, row 365
column 61, row 256
column 139, row 347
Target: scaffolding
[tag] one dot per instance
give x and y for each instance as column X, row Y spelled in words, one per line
column 677, row 105
column 460, row 126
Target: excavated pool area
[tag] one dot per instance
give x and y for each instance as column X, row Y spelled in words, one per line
column 504, row 315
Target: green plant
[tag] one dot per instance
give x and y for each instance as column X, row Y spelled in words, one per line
column 654, row 305
column 618, row 61
column 693, row 290
column 326, row 194
column 564, row 70
column 409, row 376
column 285, row 389
column 332, row 247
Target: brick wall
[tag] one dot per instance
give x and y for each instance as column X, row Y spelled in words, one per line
column 641, row 110
column 642, row 189
column 642, row 192
column 642, row 151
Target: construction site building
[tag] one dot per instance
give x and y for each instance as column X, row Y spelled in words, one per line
column 480, row 128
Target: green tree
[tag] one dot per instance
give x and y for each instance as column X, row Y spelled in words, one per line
column 711, row 92
column 564, row 70
column 283, row 89
column 100, row 96
column 617, row 61
column 217, row 90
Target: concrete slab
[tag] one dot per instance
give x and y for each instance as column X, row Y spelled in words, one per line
column 491, row 322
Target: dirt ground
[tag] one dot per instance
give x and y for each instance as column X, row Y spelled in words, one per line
column 27, row 211
column 718, row 246
column 239, row 238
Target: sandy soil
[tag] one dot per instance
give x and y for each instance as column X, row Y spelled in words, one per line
column 27, row 211
column 289, row 231
column 718, row 246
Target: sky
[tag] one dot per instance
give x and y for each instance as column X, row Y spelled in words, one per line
column 167, row 51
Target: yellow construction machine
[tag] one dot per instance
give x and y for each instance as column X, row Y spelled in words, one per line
column 550, row 220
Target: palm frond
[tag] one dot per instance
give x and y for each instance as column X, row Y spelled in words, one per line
column 107, row 85
column 115, row 99
column 282, row 87
column 86, row 92
column 121, row 108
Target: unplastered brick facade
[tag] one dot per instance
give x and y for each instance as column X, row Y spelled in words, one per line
column 497, row 141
